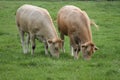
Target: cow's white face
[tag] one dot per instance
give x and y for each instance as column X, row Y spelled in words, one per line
column 88, row 49
column 54, row 47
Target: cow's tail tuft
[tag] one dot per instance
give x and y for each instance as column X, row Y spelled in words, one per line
column 94, row 24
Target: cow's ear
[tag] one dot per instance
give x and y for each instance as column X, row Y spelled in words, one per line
column 61, row 41
column 49, row 41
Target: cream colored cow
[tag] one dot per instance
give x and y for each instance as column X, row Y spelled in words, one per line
column 37, row 23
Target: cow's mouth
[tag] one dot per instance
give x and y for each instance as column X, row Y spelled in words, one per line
column 86, row 56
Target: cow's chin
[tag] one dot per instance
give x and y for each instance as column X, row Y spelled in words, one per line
column 55, row 55
column 86, row 57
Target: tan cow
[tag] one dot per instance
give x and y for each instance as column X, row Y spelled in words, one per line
column 37, row 23
column 75, row 23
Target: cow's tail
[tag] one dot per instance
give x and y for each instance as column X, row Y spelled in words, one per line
column 94, row 24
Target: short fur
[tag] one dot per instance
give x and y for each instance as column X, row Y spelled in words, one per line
column 37, row 23
column 75, row 23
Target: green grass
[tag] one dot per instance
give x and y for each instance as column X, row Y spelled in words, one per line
column 104, row 65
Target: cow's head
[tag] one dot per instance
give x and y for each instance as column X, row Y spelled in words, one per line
column 88, row 49
column 54, row 46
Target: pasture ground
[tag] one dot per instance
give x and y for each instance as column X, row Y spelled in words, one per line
column 104, row 65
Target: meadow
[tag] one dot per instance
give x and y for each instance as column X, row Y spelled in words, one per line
column 104, row 65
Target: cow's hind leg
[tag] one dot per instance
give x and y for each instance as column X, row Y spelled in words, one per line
column 23, row 41
column 28, row 42
column 32, row 38
column 62, row 37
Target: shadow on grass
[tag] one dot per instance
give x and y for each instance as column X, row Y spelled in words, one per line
column 65, row 56
column 4, row 33
column 28, row 64
column 112, row 72
column 61, row 55
column 41, row 54
column 96, row 65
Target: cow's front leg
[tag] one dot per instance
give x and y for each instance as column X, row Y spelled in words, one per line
column 76, row 53
column 74, row 47
column 46, row 48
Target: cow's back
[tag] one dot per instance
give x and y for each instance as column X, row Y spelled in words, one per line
column 29, row 16
column 71, row 18
column 33, row 19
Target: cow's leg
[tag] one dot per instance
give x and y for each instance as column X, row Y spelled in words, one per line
column 74, row 46
column 22, row 41
column 32, row 38
column 28, row 42
column 76, row 52
column 79, row 47
column 62, row 37
column 71, row 48
column 46, row 48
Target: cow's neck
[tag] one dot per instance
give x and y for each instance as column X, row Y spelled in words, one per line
column 52, row 32
column 86, row 38
column 52, row 36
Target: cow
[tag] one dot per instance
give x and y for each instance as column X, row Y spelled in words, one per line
column 75, row 23
column 36, row 23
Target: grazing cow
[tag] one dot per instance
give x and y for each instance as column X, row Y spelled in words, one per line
column 75, row 23
column 37, row 23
